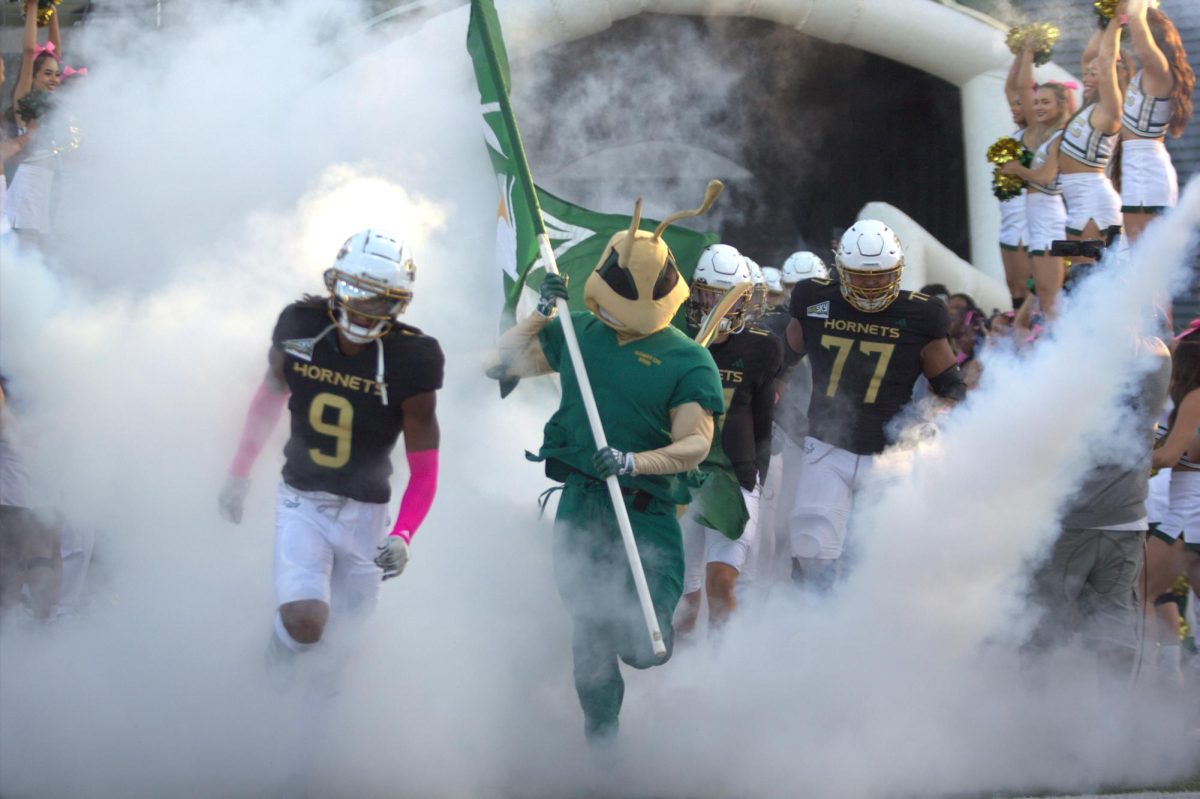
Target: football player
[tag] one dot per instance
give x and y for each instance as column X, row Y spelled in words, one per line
column 868, row 342
column 354, row 379
column 749, row 360
column 791, row 425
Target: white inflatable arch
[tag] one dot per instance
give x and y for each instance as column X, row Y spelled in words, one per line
column 954, row 43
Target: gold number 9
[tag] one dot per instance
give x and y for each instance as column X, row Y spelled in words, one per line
column 340, row 429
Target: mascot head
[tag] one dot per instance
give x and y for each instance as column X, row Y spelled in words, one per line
column 636, row 288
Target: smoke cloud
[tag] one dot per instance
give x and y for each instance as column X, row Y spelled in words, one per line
column 214, row 186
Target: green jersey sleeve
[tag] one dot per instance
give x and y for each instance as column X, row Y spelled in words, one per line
column 700, row 383
column 554, row 343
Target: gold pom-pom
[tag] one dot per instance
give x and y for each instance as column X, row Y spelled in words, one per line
column 45, row 10
column 1105, row 9
column 1005, row 187
column 1041, row 36
column 1005, row 149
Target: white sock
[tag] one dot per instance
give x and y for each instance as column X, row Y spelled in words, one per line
column 285, row 638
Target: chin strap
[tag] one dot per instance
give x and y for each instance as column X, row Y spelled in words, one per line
column 379, row 370
column 378, row 358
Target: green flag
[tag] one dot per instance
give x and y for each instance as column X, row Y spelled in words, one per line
column 577, row 235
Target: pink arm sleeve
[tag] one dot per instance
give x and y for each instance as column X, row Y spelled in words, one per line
column 264, row 413
column 418, row 496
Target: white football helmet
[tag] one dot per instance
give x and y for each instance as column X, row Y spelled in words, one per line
column 720, row 268
column 801, row 266
column 774, row 279
column 869, row 263
column 370, row 283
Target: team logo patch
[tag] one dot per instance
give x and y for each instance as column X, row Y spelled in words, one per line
column 819, row 311
column 302, row 348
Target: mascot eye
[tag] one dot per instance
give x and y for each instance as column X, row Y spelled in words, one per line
column 667, row 280
column 617, row 278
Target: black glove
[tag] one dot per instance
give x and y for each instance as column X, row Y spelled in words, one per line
column 553, row 288
column 611, row 462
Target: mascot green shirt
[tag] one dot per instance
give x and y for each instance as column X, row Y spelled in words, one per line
column 657, row 392
column 635, row 386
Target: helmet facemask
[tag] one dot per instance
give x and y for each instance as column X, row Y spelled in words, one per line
column 354, row 299
column 872, row 298
column 702, row 301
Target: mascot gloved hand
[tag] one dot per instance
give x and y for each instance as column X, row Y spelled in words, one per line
column 553, row 289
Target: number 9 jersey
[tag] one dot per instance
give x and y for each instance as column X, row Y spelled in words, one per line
column 342, row 432
column 864, row 365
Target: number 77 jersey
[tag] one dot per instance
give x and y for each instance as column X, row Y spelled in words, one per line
column 864, row 365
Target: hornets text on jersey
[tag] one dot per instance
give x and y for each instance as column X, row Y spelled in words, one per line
column 864, row 365
column 342, row 434
column 748, row 362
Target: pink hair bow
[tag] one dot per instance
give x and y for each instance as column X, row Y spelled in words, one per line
column 68, row 72
column 1192, row 327
column 48, row 47
column 1070, row 84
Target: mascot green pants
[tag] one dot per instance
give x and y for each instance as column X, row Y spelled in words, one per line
column 596, row 586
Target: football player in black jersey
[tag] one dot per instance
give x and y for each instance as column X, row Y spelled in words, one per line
column 749, row 360
column 354, row 379
column 867, row 342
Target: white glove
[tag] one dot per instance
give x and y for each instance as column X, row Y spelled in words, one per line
column 232, row 498
column 392, row 557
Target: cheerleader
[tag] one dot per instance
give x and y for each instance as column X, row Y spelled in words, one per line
column 1157, row 102
column 1017, row 267
column 27, row 206
column 1088, row 143
column 1174, row 548
column 1045, row 214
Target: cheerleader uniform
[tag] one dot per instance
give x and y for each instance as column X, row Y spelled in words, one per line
column 1148, row 180
column 28, row 202
column 1045, row 214
column 1089, row 195
column 1012, row 215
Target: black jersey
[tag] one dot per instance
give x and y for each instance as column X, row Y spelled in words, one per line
column 864, row 365
column 749, row 363
column 775, row 321
column 342, row 433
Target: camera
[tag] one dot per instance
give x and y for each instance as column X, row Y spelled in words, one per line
column 1088, row 248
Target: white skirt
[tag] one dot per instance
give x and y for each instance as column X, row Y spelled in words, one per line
column 1148, row 179
column 1012, row 222
column 1090, row 195
column 28, row 204
column 1183, row 514
column 1045, row 221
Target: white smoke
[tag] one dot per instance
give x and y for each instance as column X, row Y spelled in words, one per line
column 214, row 186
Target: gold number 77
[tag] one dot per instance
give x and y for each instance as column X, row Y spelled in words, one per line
column 842, row 347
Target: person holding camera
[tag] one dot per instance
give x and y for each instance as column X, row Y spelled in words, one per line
column 1089, row 581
